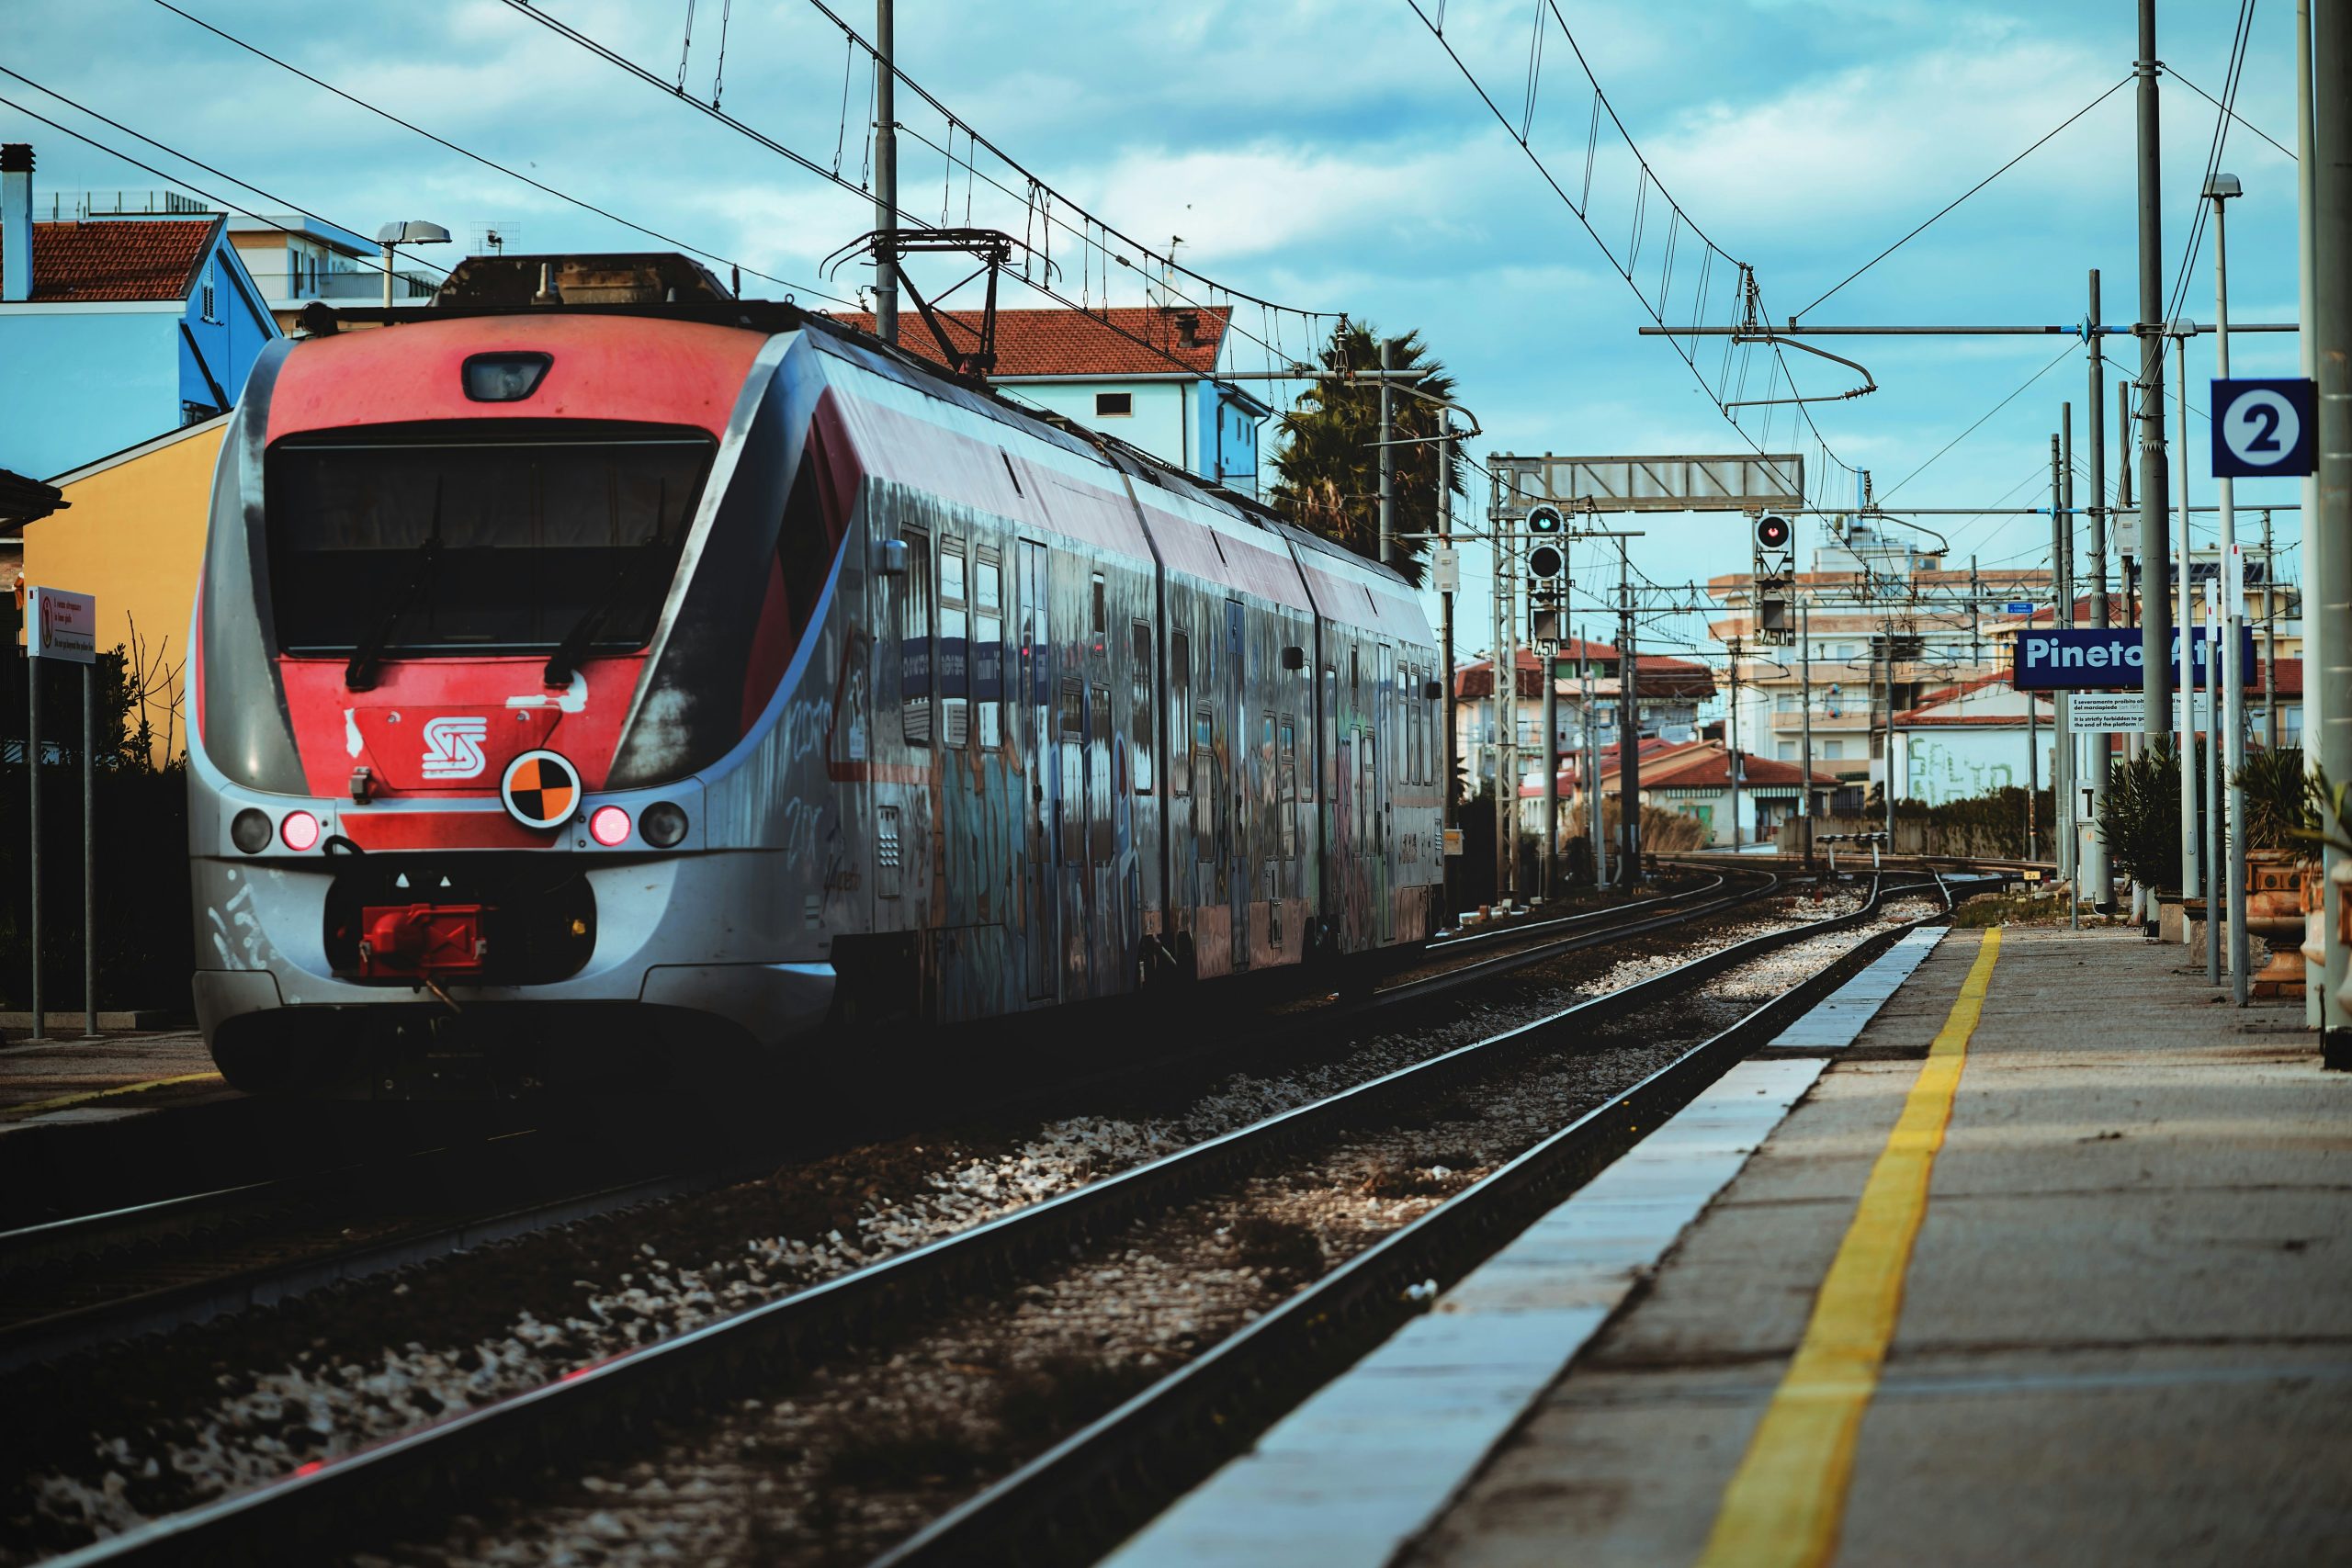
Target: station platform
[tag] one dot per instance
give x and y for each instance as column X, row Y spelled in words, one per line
column 46, row 1083
column 2035, row 1252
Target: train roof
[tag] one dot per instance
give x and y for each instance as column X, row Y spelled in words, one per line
column 772, row 316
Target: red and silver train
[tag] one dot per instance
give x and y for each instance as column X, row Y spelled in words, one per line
column 578, row 685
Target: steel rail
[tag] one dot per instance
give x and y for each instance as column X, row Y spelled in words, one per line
column 1470, row 939
column 198, row 1298
column 442, row 1468
column 1094, row 1488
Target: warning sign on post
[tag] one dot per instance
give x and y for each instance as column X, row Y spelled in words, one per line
column 59, row 625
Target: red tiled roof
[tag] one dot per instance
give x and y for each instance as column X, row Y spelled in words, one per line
column 1659, row 675
column 119, row 258
column 1712, row 767
column 1137, row 340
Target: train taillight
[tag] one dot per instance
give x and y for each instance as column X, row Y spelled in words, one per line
column 609, row 825
column 300, row 829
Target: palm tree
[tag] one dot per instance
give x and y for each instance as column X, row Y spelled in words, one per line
column 1327, row 466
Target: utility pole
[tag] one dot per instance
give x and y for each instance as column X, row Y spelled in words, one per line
column 2098, row 872
column 1388, row 456
column 886, row 172
column 2155, row 618
column 2330, row 588
column 2192, row 837
column 2033, row 772
column 1737, row 840
column 2062, row 756
column 2269, row 640
column 1594, row 827
column 1505, row 708
column 2231, row 699
column 1804, row 689
column 1887, row 790
column 1452, row 819
column 1549, row 653
column 2060, row 817
column 1629, row 728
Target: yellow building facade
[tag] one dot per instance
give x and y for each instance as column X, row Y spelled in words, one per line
column 133, row 536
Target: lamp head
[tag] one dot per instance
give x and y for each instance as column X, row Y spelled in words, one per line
column 2220, row 187
column 414, row 231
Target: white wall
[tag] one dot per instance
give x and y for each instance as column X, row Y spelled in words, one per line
column 1158, row 425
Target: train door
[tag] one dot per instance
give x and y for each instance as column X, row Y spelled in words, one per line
column 1383, row 743
column 1034, row 738
column 1238, row 880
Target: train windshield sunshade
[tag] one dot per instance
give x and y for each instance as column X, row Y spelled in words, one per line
column 424, row 546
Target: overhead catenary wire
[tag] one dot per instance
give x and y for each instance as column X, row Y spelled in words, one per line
column 367, row 263
column 488, row 163
column 2044, row 141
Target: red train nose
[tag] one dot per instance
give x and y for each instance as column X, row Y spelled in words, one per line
column 421, row 939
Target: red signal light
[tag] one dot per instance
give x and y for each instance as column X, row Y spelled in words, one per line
column 609, row 825
column 300, row 829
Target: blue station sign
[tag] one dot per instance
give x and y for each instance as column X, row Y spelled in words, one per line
column 2102, row 657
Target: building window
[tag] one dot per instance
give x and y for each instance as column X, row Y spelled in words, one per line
column 1788, row 750
column 212, row 275
column 1114, row 405
column 1835, row 751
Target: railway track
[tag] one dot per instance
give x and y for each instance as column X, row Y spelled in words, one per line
column 89, row 1281
column 427, row 1472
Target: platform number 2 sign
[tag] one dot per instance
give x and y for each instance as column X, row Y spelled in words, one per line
column 2263, row 428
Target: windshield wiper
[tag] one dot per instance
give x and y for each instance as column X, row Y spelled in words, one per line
column 359, row 675
column 564, row 663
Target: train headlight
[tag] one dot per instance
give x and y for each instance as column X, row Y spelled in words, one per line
column 664, row 825
column 609, row 825
column 300, row 829
column 249, row 831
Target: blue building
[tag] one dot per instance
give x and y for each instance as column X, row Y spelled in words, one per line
column 115, row 331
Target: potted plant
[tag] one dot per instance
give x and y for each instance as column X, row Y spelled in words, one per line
column 2281, row 874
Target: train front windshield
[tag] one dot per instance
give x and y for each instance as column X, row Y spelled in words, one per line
column 509, row 542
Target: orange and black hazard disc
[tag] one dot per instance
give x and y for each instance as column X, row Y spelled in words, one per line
column 540, row 789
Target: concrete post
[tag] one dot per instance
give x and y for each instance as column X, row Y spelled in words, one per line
column 886, row 170
column 2156, row 612
column 2098, row 870
column 1452, row 819
column 2331, row 587
column 1387, row 554
column 2230, row 590
column 1804, row 689
column 2192, row 841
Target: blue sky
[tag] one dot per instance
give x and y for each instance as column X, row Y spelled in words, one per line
column 1326, row 156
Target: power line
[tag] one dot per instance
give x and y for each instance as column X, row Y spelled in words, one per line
column 487, row 162
column 1735, row 276
column 1963, row 196
column 2064, row 354
column 2174, row 72
column 369, row 264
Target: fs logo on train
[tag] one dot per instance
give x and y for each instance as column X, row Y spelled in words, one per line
column 453, row 747
column 540, row 789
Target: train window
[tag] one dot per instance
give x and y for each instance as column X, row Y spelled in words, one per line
column 1140, row 683
column 1101, row 617
column 1069, row 790
column 1206, row 818
column 1179, row 703
column 1287, row 774
column 914, row 641
column 1098, row 776
column 987, row 647
column 954, row 651
column 510, row 544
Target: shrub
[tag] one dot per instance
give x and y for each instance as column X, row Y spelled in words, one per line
column 2280, row 799
column 2141, row 825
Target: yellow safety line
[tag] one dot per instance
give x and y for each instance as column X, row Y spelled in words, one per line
column 1788, row 1500
column 13, row 1112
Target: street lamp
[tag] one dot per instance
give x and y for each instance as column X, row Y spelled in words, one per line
column 413, row 233
column 2230, row 700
